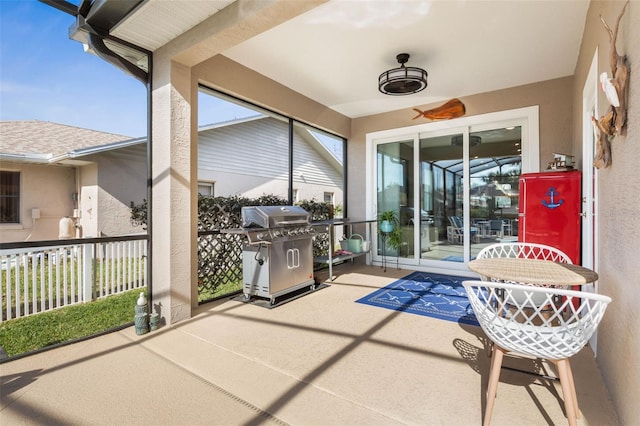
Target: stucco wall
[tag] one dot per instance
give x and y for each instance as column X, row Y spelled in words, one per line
column 114, row 198
column 619, row 204
column 45, row 187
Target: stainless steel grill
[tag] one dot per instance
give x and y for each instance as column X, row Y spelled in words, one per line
column 277, row 257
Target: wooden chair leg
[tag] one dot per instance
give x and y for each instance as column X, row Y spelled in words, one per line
column 492, row 386
column 573, row 386
column 567, row 391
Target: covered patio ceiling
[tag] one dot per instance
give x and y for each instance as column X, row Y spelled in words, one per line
column 333, row 51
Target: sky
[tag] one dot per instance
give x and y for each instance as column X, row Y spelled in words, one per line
column 44, row 75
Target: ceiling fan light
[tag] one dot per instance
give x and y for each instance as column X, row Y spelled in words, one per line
column 402, row 80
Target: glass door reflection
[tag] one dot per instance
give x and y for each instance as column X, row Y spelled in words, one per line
column 395, row 184
column 441, row 198
column 495, row 165
column 487, row 212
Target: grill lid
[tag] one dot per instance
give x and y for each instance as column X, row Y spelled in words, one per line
column 274, row 216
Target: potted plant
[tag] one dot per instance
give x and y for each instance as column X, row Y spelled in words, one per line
column 389, row 226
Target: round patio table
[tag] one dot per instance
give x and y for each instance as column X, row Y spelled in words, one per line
column 533, row 271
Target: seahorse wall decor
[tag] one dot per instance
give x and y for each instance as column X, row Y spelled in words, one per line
column 614, row 122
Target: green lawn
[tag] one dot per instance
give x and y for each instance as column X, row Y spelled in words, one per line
column 27, row 334
column 205, row 294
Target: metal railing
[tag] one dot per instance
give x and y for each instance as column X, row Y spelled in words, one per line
column 39, row 276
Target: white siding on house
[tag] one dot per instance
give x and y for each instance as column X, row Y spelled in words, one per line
column 229, row 184
column 251, row 158
column 309, row 167
column 255, row 148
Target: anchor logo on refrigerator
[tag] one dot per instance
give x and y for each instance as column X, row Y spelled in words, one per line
column 552, row 193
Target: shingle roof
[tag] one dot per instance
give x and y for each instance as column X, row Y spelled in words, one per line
column 43, row 137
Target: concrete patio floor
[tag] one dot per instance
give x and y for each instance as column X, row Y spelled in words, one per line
column 319, row 360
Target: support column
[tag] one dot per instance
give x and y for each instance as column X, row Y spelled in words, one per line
column 174, row 207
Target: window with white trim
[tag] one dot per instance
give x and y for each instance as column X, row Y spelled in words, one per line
column 328, row 197
column 205, row 188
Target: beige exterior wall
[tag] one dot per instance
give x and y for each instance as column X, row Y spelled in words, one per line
column 174, row 182
column 47, row 188
column 103, row 199
column 122, row 178
column 619, row 204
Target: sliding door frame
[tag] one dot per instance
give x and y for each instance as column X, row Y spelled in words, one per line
column 527, row 118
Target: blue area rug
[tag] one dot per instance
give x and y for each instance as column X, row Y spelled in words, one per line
column 421, row 293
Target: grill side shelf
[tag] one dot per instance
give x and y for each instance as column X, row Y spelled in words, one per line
column 337, row 259
column 328, row 226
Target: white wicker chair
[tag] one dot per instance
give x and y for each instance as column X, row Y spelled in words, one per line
column 514, row 327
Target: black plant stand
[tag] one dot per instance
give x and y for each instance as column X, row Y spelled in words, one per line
column 384, row 236
column 384, row 250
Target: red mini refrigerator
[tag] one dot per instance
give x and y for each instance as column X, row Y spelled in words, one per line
column 549, row 210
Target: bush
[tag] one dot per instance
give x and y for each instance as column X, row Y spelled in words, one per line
column 215, row 213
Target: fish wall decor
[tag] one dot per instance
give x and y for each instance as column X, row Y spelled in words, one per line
column 452, row 109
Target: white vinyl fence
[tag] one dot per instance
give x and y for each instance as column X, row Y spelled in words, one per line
column 39, row 279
